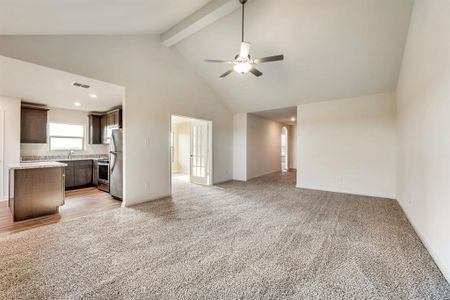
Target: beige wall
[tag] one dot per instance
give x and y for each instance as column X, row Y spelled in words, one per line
column 10, row 107
column 423, row 104
column 263, row 146
column 292, row 147
column 257, row 146
column 240, row 147
column 348, row 146
column 64, row 116
column 158, row 83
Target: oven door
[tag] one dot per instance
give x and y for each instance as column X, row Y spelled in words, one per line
column 103, row 173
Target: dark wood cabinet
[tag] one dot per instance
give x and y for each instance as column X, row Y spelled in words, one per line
column 99, row 124
column 82, row 172
column 70, row 179
column 104, row 129
column 35, row 191
column 95, row 129
column 33, row 124
column 78, row 173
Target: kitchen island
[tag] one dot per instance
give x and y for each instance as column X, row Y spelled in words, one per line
column 36, row 189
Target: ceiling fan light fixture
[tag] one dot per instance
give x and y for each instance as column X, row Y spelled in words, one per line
column 242, row 67
column 243, row 62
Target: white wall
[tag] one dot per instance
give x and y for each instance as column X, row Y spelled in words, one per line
column 58, row 115
column 423, row 104
column 292, row 148
column 263, row 146
column 158, row 82
column 240, row 147
column 11, row 146
column 348, row 146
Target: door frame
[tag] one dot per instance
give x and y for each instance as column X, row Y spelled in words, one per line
column 211, row 148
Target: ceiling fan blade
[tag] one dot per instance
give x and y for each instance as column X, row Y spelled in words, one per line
column 245, row 50
column 219, row 61
column 255, row 72
column 226, row 73
column 268, row 59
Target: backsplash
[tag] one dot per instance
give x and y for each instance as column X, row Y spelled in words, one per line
column 42, row 152
column 56, row 157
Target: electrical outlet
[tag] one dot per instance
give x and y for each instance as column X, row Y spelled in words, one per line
column 147, row 186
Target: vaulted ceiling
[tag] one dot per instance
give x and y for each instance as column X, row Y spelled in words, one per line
column 93, row 16
column 333, row 49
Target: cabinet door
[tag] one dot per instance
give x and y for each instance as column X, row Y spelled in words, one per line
column 119, row 118
column 95, row 172
column 33, row 125
column 95, row 132
column 104, row 131
column 69, row 178
column 83, row 172
column 110, row 119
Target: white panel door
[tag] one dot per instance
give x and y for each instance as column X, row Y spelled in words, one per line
column 200, row 152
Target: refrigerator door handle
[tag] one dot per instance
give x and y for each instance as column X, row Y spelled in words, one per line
column 114, row 163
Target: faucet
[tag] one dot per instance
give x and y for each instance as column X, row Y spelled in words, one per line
column 70, row 154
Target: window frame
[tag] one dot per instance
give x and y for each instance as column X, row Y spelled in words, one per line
column 83, row 139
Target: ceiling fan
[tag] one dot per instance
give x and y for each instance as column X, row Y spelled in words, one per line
column 243, row 62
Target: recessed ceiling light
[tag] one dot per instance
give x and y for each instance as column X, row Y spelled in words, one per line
column 93, row 96
column 292, row 119
column 77, row 103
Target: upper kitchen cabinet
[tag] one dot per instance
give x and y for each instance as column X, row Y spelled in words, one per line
column 101, row 125
column 115, row 118
column 33, row 124
column 95, row 129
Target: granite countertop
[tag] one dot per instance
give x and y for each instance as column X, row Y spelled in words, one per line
column 61, row 159
column 37, row 165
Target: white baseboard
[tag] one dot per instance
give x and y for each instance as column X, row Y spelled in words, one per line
column 264, row 174
column 146, row 201
column 223, row 181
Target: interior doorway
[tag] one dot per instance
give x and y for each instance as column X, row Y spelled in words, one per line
column 284, row 149
column 190, row 150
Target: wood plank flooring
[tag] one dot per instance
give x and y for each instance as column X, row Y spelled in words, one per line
column 78, row 203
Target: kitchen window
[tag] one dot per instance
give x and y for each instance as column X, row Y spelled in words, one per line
column 64, row 137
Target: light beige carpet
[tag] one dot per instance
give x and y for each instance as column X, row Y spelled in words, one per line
column 258, row 240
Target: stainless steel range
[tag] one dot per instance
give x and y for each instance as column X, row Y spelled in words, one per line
column 103, row 174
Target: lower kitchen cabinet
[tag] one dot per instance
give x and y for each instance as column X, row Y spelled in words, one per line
column 70, row 176
column 78, row 173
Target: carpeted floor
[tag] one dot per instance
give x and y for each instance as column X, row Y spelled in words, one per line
column 258, row 240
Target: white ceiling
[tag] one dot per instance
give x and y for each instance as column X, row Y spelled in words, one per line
column 333, row 49
column 282, row 115
column 38, row 84
column 93, row 16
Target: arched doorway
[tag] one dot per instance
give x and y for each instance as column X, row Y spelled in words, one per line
column 284, row 150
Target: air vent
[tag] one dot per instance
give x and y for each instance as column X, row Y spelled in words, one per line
column 81, row 85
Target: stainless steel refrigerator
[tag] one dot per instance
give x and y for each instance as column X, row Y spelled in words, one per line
column 116, row 164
